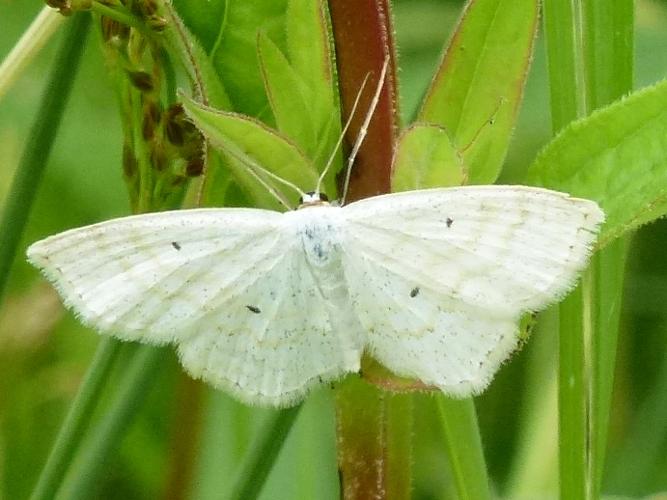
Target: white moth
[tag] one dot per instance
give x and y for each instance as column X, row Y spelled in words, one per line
column 266, row 305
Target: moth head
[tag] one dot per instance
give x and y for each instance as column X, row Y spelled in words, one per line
column 313, row 198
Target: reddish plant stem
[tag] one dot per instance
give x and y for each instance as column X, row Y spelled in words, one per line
column 373, row 427
column 363, row 36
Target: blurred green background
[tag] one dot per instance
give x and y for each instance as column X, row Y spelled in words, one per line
column 177, row 448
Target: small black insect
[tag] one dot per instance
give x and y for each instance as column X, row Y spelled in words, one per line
column 254, row 309
column 175, row 245
column 414, row 292
column 449, row 222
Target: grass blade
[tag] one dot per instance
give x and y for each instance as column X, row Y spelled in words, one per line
column 589, row 46
column 263, row 454
column 76, row 421
column 464, row 447
column 610, row 44
column 40, row 141
column 85, row 471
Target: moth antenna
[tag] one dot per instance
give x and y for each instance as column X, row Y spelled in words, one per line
column 254, row 167
column 280, row 198
column 279, row 179
column 342, row 135
column 364, row 128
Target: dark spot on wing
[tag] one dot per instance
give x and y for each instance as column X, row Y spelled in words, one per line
column 414, row 292
column 254, row 309
column 175, row 245
column 449, row 222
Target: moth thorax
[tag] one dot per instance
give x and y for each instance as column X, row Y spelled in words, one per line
column 320, row 242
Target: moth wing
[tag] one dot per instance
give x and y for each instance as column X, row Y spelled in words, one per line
column 280, row 338
column 229, row 286
column 440, row 278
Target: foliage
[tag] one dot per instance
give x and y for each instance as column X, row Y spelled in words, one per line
column 258, row 80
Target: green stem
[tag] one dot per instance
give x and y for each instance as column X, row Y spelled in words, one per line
column 562, row 25
column 77, row 420
column 122, row 16
column 573, row 401
column 39, row 143
column 138, row 377
column 609, row 53
column 464, row 447
column 374, row 437
column 146, row 171
column 33, row 39
column 563, row 41
column 263, row 453
column 399, row 421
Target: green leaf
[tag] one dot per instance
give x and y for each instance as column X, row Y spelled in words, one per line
column 203, row 18
column 234, row 54
column 247, row 142
column 476, row 92
column 311, row 52
column 219, row 186
column 287, row 95
column 617, row 157
column 310, row 48
column 425, row 157
column 300, row 85
column 195, row 61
